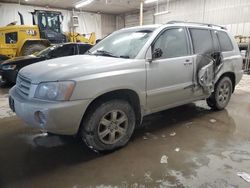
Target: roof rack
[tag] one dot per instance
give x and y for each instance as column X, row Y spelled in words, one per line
column 197, row 23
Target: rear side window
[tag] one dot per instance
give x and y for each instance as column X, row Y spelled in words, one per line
column 225, row 42
column 11, row 38
column 202, row 41
column 215, row 41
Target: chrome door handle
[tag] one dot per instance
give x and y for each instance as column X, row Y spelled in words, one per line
column 188, row 62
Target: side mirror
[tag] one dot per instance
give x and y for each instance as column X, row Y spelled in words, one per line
column 157, row 53
column 97, row 41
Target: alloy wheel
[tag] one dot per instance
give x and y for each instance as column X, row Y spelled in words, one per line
column 112, row 127
column 224, row 93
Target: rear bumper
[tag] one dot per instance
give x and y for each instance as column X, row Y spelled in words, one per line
column 59, row 117
column 238, row 76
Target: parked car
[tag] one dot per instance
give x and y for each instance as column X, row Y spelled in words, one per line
column 3, row 58
column 103, row 95
column 10, row 68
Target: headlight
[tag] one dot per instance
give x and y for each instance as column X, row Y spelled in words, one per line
column 55, row 91
column 8, row 67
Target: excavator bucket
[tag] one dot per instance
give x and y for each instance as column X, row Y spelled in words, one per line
column 85, row 38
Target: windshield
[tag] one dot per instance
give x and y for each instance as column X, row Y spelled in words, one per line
column 54, row 22
column 46, row 51
column 125, row 44
column 49, row 21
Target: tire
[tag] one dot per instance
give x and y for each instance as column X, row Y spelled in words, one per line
column 210, row 102
column 221, row 95
column 101, row 129
column 30, row 49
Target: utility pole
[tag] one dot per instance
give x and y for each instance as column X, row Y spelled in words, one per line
column 141, row 13
column 204, row 11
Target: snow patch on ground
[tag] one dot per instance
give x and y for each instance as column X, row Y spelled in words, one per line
column 244, row 85
column 5, row 111
column 164, row 159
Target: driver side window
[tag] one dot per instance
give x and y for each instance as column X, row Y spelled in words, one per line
column 171, row 43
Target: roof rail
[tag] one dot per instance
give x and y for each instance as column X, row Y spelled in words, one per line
column 198, row 23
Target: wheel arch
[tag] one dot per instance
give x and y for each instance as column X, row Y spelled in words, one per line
column 231, row 75
column 124, row 94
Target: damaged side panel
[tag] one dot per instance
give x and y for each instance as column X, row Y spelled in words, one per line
column 207, row 68
column 206, row 78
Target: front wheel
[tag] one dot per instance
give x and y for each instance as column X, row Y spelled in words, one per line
column 109, row 126
column 221, row 95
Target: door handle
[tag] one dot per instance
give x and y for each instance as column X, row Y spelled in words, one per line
column 188, row 62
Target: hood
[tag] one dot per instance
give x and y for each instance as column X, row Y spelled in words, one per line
column 18, row 59
column 72, row 67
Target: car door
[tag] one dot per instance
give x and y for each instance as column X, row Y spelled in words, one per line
column 205, row 45
column 170, row 73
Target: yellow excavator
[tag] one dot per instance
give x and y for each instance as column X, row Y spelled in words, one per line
column 21, row 40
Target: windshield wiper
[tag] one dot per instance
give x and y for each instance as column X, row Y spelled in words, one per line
column 104, row 53
column 124, row 56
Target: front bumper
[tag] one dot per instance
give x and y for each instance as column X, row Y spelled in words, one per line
column 60, row 117
column 9, row 75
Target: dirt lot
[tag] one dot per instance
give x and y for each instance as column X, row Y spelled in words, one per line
column 189, row 146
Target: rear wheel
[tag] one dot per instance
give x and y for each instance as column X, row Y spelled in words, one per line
column 32, row 48
column 221, row 95
column 109, row 126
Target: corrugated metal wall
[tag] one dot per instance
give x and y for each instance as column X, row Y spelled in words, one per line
column 133, row 19
column 234, row 14
column 120, row 22
column 108, row 24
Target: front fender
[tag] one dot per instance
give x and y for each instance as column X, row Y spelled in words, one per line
column 94, row 85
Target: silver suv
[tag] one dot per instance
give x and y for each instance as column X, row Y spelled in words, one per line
column 103, row 95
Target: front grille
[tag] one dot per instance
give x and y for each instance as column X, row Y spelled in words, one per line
column 23, row 85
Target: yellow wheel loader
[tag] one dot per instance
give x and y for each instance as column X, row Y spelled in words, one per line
column 20, row 40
